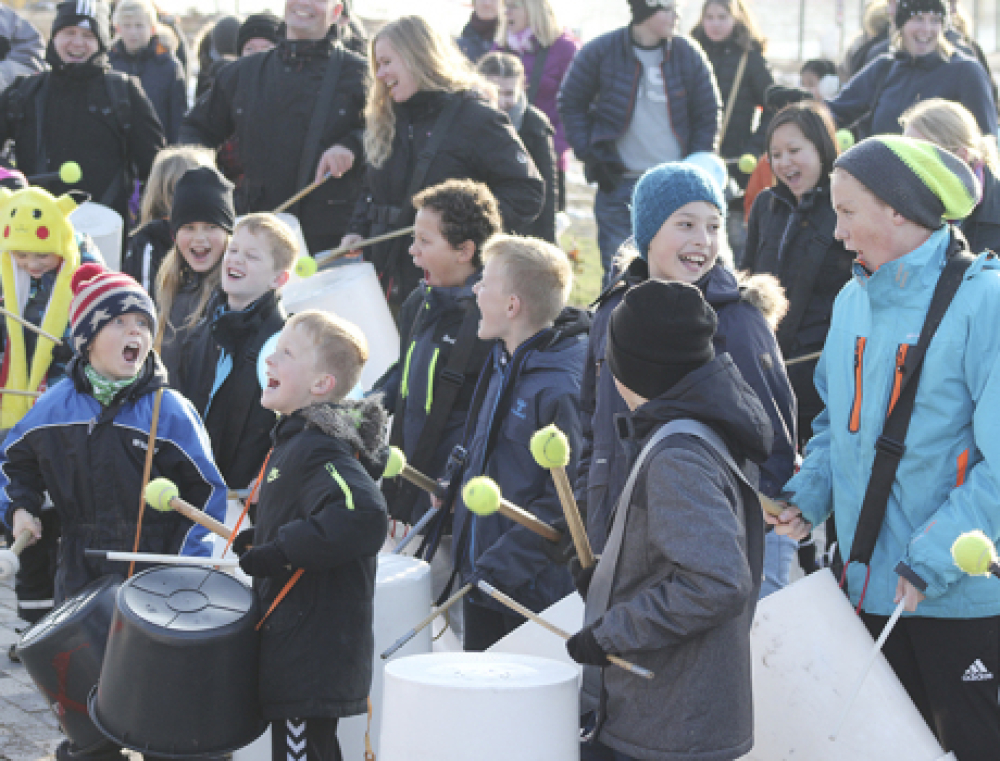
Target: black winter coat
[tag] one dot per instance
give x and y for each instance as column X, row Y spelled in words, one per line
column 982, row 227
column 162, row 78
column 178, row 338
column 537, row 134
column 319, row 503
column 474, row 44
column 146, row 250
column 795, row 243
column 267, row 100
column 481, row 145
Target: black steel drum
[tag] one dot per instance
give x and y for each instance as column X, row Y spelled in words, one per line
column 63, row 653
column 180, row 671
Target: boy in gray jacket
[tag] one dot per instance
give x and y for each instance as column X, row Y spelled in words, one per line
column 675, row 589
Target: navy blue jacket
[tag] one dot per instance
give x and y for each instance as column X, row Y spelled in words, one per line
column 162, row 78
column 538, row 385
column 598, row 95
column 742, row 332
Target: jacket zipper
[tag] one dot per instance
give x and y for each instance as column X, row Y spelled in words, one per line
column 897, row 382
column 859, row 362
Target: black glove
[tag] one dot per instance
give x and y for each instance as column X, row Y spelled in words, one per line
column 266, row 560
column 243, row 542
column 4, row 48
column 583, row 648
column 564, row 550
column 581, row 576
column 607, row 175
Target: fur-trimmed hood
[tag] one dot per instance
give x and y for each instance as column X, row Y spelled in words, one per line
column 362, row 424
column 764, row 292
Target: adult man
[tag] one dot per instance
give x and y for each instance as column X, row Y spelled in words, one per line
column 21, row 47
column 891, row 195
column 632, row 99
column 297, row 112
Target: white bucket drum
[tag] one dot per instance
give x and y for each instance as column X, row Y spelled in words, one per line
column 104, row 225
column 482, row 706
column 809, row 648
column 531, row 639
column 351, row 291
column 292, row 221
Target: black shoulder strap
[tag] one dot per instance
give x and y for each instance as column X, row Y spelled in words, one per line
column 440, row 130
column 116, row 84
column 537, row 70
column 324, row 102
column 889, row 448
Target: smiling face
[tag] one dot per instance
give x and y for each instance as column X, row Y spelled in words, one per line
column 74, row 44
column 294, row 379
column 310, row 19
column 136, row 31
column 922, row 33
column 119, row 349
column 517, row 16
column 498, row 305
column 718, row 22
column 248, row 269
column 201, row 245
column 865, row 225
column 687, row 244
column 392, row 72
column 36, row 265
column 795, row 160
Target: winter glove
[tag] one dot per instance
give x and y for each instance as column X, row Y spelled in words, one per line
column 581, row 576
column 243, row 542
column 266, row 560
column 4, row 48
column 583, row 648
column 563, row 551
column 607, row 175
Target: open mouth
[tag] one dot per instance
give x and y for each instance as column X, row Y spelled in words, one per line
column 200, row 255
column 234, row 274
column 693, row 260
column 273, row 383
column 131, row 352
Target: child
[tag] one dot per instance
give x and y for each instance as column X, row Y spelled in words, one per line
column 532, row 379
column 148, row 245
column 320, row 512
column 201, row 221
column 220, row 372
column 676, row 586
column 140, row 53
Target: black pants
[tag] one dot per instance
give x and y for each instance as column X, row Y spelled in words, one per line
column 485, row 626
column 35, row 581
column 305, row 740
column 949, row 668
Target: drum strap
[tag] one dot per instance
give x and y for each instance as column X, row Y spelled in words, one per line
column 147, row 468
column 281, row 596
column 246, row 505
column 369, row 753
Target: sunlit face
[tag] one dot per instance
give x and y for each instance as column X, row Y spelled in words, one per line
column 310, row 19
column 487, row 10
column 248, row 270
column 509, row 91
column 517, row 16
column 444, row 266
column 718, row 22
column 74, row 44
column 922, row 33
column 256, row 45
column 687, row 244
column 202, row 245
column 36, row 265
column 498, row 305
column 136, row 31
column 294, row 379
column 795, row 160
column 119, row 349
column 663, row 23
column 864, row 224
column 392, row 72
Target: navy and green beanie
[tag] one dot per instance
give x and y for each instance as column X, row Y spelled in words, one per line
column 920, row 180
column 663, row 190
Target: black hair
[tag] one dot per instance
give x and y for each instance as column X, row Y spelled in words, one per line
column 468, row 212
column 817, row 126
column 821, row 67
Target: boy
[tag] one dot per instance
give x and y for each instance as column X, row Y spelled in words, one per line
column 677, row 584
column 321, row 522
column 140, row 53
column 531, row 379
column 222, row 379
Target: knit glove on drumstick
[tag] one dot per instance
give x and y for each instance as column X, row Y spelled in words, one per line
column 266, row 560
column 584, row 648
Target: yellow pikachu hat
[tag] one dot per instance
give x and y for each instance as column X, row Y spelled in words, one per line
column 35, row 221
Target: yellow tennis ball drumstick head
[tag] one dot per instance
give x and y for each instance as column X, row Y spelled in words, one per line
column 973, row 552
column 747, row 163
column 70, row 173
column 305, row 266
column 845, row 139
column 159, row 492
column 482, row 495
column 395, row 464
column 550, row 448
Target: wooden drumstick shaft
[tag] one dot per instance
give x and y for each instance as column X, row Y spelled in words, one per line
column 519, row 515
column 16, row 392
column 22, row 541
column 573, row 519
column 302, row 194
column 398, row 644
column 335, row 253
column 200, row 517
column 34, row 328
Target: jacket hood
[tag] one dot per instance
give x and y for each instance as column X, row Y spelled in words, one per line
column 360, row 423
column 553, row 345
column 229, row 328
column 766, row 293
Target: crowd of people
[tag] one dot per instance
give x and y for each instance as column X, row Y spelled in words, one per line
column 812, row 327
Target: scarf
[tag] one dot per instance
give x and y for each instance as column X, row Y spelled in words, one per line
column 105, row 389
column 520, row 42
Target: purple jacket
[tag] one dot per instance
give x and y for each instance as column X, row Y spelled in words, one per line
column 557, row 62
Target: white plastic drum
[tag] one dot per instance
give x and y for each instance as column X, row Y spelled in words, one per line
column 808, row 650
column 482, row 706
column 104, row 225
column 292, row 221
column 351, row 291
column 531, row 639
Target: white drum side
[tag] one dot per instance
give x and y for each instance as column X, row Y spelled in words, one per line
column 104, row 225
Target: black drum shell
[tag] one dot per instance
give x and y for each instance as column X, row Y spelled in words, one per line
column 179, row 693
column 63, row 654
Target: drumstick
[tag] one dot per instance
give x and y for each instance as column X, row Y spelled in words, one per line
column 34, row 328
column 329, row 256
column 237, row 493
column 868, row 665
column 161, row 495
column 15, row 392
column 302, row 193
column 803, row 358
column 482, row 497
column 152, row 557
column 10, row 561
column 396, row 465
column 500, row 597
column 425, row 623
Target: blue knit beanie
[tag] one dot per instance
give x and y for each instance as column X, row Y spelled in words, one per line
column 663, row 190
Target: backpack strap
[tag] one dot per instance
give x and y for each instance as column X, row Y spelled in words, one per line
column 537, row 69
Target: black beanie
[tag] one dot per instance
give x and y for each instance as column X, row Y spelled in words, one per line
column 659, row 333
column 906, row 9
column 88, row 14
column 643, row 9
column 203, row 195
column 224, row 35
column 263, row 25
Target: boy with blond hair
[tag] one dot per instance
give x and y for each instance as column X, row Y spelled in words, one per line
column 532, row 379
column 321, row 521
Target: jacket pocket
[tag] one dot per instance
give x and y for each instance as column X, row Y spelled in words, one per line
column 897, row 376
column 854, row 423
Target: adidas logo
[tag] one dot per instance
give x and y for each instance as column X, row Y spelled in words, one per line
column 977, row 672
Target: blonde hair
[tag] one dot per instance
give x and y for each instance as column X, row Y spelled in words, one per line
column 538, row 273
column 134, row 7
column 435, row 63
column 951, row 126
column 341, row 347
column 541, row 20
column 876, row 18
column 282, row 243
column 168, row 280
column 168, row 167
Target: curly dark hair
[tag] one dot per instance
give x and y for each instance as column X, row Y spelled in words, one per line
column 468, row 212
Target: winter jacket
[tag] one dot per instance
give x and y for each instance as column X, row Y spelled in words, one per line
column 146, row 249
column 481, row 145
column 536, row 133
column 538, row 385
column 946, row 483
column 25, row 48
column 89, row 459
column 557, row 62
column 475, row 44
column 795, row 243
column 597, row 98
column 81, row 125
column 982, row 227
column 908, row 79
column 860, row 51
column 162, row 78
column 687, row 579
column 176, row 350
column 320, row 505
column 744, row 310
column 267, row 101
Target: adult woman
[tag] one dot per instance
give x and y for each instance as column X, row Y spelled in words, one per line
column 425, row 124
column 530, row 31
column 926, row 66
column 952, row 127
column 478, row 36
column 731, row 39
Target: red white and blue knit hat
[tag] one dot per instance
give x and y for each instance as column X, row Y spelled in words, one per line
column 99, row 296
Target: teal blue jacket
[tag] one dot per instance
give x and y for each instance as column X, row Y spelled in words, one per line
column 948, row 481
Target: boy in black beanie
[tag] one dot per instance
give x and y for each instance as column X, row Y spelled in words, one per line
column 677, row 584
